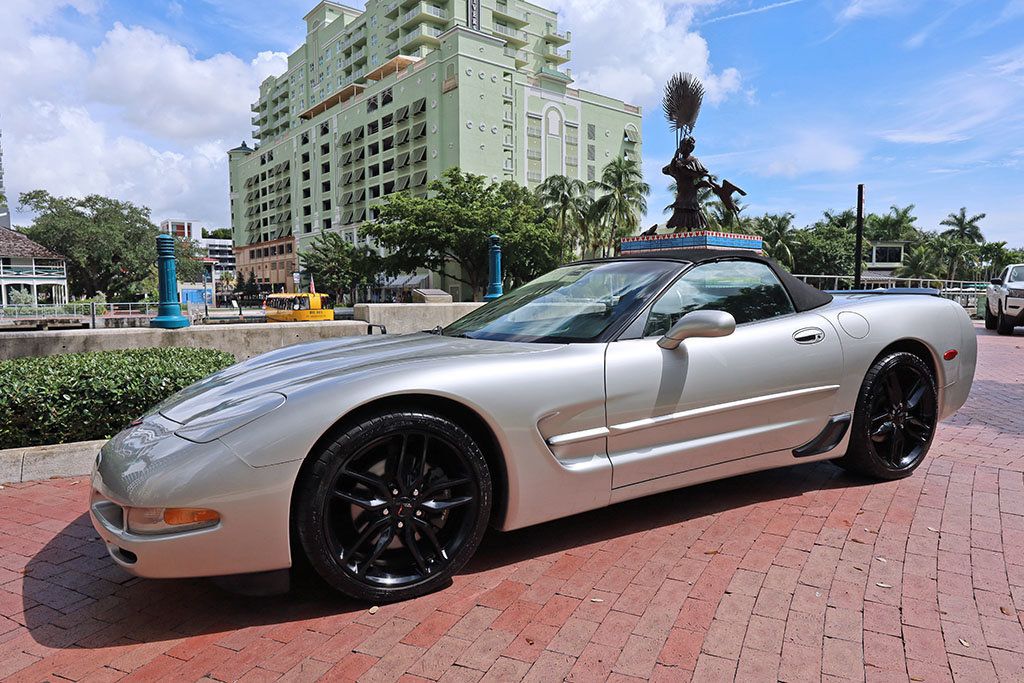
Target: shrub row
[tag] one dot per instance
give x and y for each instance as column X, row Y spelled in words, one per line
column 84, row 396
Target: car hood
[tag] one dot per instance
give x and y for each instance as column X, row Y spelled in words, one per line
column 290, row 369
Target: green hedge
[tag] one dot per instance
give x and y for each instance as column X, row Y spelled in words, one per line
column 85, row 396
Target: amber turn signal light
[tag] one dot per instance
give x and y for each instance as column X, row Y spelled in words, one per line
column 951, row 354
column 181, row 516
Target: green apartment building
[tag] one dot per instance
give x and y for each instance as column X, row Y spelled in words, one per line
column 384, row 100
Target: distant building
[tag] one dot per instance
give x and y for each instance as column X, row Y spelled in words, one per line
column 223, row 253
column 886, row 257
column 274, row 262
column 385, row 99
column 5, row 210
column 182, row 228
column 29, row 272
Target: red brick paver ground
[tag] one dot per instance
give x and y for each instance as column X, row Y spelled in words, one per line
column 796, row 575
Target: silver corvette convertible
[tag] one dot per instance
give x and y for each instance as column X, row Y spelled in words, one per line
column 380, row 461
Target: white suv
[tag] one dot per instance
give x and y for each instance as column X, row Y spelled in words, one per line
column 1004, row 300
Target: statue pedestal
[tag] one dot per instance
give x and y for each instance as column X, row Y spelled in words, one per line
column 702, row 239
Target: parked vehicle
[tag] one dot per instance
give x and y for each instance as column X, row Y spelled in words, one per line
column 382, row 460
column 1004, row 300
column 301, row 307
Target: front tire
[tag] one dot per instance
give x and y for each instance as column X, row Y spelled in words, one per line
column 1004, row 325
column 395, row 506
column 895, row 418
column 990, row 318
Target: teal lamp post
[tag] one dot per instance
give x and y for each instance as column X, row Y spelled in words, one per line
column 494, row 288
column 168, row 313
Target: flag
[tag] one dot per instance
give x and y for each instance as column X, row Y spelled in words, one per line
column 312, row 285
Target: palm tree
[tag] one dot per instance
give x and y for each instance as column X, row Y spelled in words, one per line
column 953, row 252
column 993, row 256
column 563, row 196
column 778, row 235
column 920, row 264
column 621, row 199
column 963, row 228
column 896, row 225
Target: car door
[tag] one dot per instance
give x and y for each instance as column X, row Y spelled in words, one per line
column 768, row 386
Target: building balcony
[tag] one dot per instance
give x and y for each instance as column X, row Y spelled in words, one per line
column 552, row 35
column 553, row 55
column 521, row 57
column 425, row 12
column 391, row 9
column 503, row 10
column 391, row 30
column 29, row 269
column 513, row 36
column 422, row 35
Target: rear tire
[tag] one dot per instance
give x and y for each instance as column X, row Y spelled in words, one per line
column 1004, row 325
column 895, row 418
column 990, row 319
column 395, row 506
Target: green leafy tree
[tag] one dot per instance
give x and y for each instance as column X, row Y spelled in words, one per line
column 920, row 263
column 447, row 232
column 217, row 233
column 779, row 235
column 826, row 249
column 896, row 225
column 621, row 200
column 963, row 227
column 993, row 257
column 957, row 255
column 566, row 199
column 338, row 267
column 188, row 256
column 109, row 245
column 252, row 288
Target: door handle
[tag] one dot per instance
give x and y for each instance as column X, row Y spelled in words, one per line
column 808, row 335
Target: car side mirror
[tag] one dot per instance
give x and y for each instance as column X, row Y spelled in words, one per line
column 996, row 281
column 698, row 324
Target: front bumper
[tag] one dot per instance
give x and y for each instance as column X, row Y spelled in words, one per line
column 148, row 466
column 1015, row 310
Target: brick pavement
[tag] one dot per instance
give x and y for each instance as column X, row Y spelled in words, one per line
column 796, row 575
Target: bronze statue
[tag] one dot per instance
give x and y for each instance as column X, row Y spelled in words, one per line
column 683, row 96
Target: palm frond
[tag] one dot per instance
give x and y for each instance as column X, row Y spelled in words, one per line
column 684, row 94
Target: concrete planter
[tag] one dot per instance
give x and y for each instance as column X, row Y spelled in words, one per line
column 42, row 462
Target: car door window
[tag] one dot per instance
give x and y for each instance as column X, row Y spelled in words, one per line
column 748, row 290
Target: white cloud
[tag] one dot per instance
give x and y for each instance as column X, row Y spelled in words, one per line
column 161, row 88
column 811, row 151
column 139, row 118
column 629, row 49
column 860, row 9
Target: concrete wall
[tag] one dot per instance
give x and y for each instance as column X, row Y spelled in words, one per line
column 244, row 340
column 43, row 462
column 406, row 318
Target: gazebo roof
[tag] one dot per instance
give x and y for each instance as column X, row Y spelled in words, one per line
column 14, row 244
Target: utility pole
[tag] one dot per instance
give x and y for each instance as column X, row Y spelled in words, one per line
column 860, row 236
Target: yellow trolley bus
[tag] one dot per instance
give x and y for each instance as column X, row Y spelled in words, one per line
column 301, row 307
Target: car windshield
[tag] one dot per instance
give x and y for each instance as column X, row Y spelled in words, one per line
column 576, row 303
column 1016, row 274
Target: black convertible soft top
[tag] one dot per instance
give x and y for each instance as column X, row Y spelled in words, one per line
column 804, row 296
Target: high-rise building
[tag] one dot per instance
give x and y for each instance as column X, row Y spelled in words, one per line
column 386, row 99
column 5, row 210
column 180, row 227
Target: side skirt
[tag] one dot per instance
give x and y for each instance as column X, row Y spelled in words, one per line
column 829, row 437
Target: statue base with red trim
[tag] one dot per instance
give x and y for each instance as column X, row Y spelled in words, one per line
column 701, row 239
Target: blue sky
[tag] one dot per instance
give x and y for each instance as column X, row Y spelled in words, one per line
column 921, row 100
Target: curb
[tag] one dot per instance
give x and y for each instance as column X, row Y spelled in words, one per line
column 43, row 462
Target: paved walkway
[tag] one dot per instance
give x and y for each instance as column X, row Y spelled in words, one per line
column 797, row 575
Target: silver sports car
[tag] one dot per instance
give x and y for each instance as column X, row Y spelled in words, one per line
column 380, row 461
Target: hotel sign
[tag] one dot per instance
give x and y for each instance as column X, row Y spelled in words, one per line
column 473, row 14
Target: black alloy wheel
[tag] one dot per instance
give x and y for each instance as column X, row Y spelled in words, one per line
column 895, row 419
column 395, row 506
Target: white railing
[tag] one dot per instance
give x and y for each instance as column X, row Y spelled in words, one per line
column 85, row 312
column 32, row 271
column 964, row 292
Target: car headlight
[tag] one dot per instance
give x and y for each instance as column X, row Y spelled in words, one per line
column 149, row 521
column 1017, row 293
column 227, row 417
